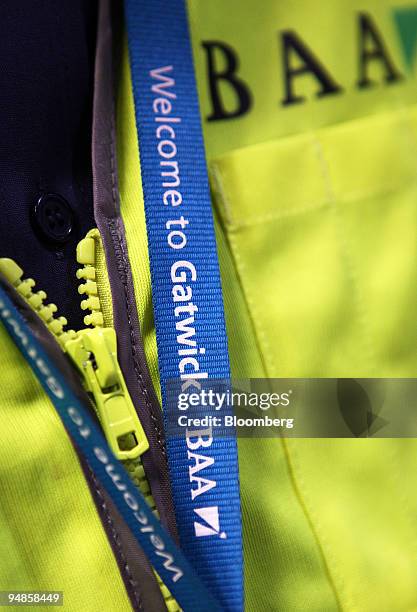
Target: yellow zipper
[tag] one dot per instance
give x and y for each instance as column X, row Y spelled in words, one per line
column 93, row 350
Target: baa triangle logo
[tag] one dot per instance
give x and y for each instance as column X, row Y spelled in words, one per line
column 211, row 525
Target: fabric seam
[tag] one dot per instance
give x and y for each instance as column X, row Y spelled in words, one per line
column 350, row 197
column 121, row 257
column 249, row 304
column 117, row 238
column 116, row 540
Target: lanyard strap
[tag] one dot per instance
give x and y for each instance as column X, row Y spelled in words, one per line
column 156, row 543
column 186, row 288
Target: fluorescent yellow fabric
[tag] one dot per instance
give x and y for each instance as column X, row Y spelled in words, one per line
column 282, row 559
column 50, row 535
column 330, row 29
column 327, row 266
column 321, row 227
column 316, row 210
column 337, row 242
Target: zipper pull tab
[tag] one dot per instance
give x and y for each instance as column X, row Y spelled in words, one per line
column 94, row 353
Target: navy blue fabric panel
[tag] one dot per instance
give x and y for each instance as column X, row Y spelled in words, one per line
column 46, row 82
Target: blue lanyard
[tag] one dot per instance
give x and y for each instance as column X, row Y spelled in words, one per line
column 186, row 289
column 164, row 555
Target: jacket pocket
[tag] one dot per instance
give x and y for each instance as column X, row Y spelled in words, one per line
column 322, row 228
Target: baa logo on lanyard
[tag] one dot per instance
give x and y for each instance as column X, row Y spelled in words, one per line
column 171, row 565
column 186, row 288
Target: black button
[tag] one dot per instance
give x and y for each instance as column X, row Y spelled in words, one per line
column 53, row 218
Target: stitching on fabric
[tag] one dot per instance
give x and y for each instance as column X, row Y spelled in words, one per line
column 249, row 306
column 319, row 536
column 283, row 214
column 118, row 244
column 116, row 540
column 405, row 115
column 298, row 482
column 240, row 267
column 252, row 308
column 349, row 259
column 123, row 274
column 113, row 158
column 404, row 499
column 361, row 314
column 299, row 486
column 263, row 356
column 218, row 187
column 350, row 197
column 409, row 133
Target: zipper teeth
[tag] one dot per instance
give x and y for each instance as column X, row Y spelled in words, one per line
column 137, row 474
column 56, row 325
column 87, row 257
column 36, row 300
